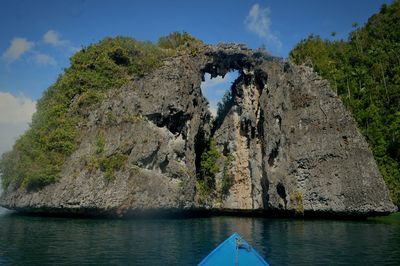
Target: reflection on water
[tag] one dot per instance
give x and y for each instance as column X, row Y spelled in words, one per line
column 58, row 241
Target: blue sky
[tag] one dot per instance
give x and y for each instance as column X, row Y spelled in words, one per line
column 38, row 37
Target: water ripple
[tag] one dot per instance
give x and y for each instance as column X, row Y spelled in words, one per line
column 58, row 241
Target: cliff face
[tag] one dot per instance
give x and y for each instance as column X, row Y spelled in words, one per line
column 286, row 143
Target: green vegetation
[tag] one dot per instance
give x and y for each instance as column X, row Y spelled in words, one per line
column 109, row 165
column 208, row 169
column 227, row 178
column 393, row 218
column 111, row 119
column 177, row 40
column 365, row 72
column 100, row 144
column 38, row 155
column 131, row 118
column 211, row 163
column 297, row 200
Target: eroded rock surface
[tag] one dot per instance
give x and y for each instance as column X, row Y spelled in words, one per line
column 286, row 143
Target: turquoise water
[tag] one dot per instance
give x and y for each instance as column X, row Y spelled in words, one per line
column 61, row 241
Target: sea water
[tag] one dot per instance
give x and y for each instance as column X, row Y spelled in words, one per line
column 27, row 240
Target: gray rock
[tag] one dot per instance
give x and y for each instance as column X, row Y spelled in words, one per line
column 288, row 143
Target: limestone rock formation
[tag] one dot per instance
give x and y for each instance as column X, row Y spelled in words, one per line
column 286, row 144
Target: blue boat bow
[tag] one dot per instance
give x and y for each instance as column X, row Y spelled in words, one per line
column 233, row 251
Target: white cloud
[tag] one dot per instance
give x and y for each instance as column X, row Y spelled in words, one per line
column 18, row 47
column 213, row 108
column 210, row 83
column 52, row 37
column 15, row 116
column 258, row 21
column 44, row 59
column 9, row 134
column 16, row 109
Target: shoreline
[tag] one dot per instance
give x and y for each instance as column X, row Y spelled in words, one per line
column 199, row 213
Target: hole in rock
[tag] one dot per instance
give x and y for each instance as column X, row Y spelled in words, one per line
column 280, row 189
column 217, row 90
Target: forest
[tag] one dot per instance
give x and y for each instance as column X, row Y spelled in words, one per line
column 364, row 71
